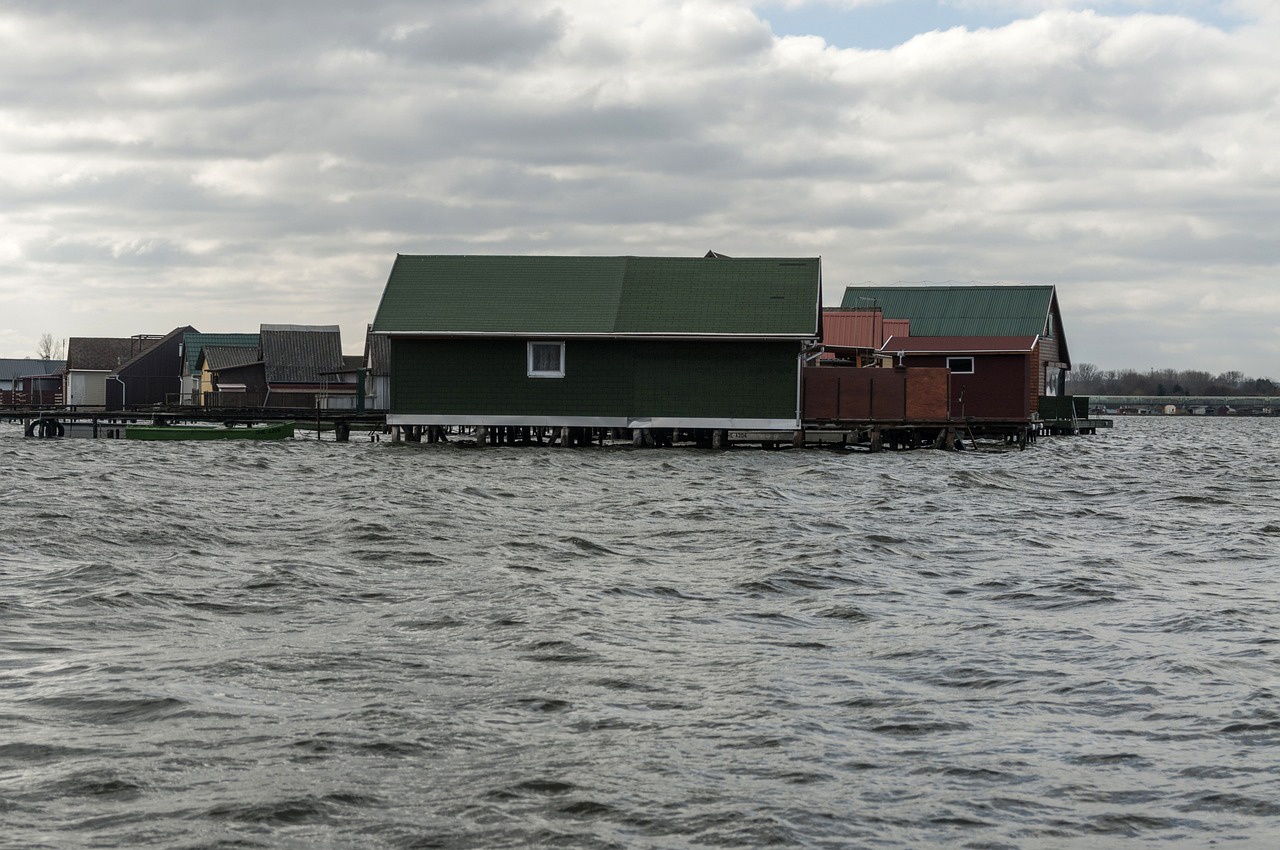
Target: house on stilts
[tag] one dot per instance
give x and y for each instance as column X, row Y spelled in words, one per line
column 526, row 347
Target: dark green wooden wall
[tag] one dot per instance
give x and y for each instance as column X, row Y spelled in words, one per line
column 629, row 378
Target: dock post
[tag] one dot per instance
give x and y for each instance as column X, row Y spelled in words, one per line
column 797, row 438
column 875, row 440
column 718, row 439
column 395, row 434
column 342, row 431
column 482, row 436
column 565, row 436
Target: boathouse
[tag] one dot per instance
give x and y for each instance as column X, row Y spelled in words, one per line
column 293, row 366
column 91, row 359
column 969, row 318
column 152, row 376
column 216, row 373
column 28, row 381
column 195, row 380
column 599, row 342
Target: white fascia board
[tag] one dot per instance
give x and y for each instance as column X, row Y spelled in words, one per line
column 577, row 335
column 952, row 351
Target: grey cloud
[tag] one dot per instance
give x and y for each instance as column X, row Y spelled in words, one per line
column 308, row 143
column 135, row 253
column 480, row 36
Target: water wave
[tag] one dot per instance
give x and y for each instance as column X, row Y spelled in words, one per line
column 309, row 643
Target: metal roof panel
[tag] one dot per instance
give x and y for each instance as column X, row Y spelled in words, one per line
column 960, row 310
column 536, row 295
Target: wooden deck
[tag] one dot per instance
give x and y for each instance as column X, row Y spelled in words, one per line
column 871, row 435
column 53, row 422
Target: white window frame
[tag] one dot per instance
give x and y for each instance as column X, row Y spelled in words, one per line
column 971, row 362
column 543, row 373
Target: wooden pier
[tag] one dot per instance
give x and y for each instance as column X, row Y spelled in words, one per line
column 55, row 422
column 869, row 435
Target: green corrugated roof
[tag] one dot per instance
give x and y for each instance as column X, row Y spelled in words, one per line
column 959, row 310
column 600, row 295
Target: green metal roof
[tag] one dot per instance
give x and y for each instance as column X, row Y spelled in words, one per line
column 959, row 310
column 194, row 343
column 601, row 295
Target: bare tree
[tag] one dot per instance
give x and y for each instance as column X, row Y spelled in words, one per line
column 50, row 348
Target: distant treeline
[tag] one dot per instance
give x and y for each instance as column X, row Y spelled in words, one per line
column 1088, row 379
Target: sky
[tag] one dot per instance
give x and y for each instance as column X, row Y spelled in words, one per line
column 225, row 165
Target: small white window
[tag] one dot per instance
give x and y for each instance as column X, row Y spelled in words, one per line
column 960, row 365
column 546, row 360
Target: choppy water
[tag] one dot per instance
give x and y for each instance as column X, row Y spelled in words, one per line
column 351, row 645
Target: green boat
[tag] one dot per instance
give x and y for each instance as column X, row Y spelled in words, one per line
column 269, row 431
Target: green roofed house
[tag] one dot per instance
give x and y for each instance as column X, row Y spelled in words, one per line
column 993, row 313
column 610, row 342
column 195, row 381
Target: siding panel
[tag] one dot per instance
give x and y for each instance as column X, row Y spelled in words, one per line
column 629, row 378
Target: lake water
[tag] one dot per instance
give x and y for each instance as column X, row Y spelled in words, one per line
column 311, row 644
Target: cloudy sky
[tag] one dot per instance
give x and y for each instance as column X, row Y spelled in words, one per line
column 233, row 163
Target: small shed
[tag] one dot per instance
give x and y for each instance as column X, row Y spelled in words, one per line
column 992, row 378
column 26, row 381
column 607, row 342
column 194, row 382
column 216, row 370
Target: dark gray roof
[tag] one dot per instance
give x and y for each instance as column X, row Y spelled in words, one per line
column 228, row 356
column 195, row 343
column 377, row 352
column 299, row 354
column 105, row 354
column 11, row 367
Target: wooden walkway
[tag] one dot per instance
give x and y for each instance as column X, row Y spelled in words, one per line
column 54, row 422
column 868, row 435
